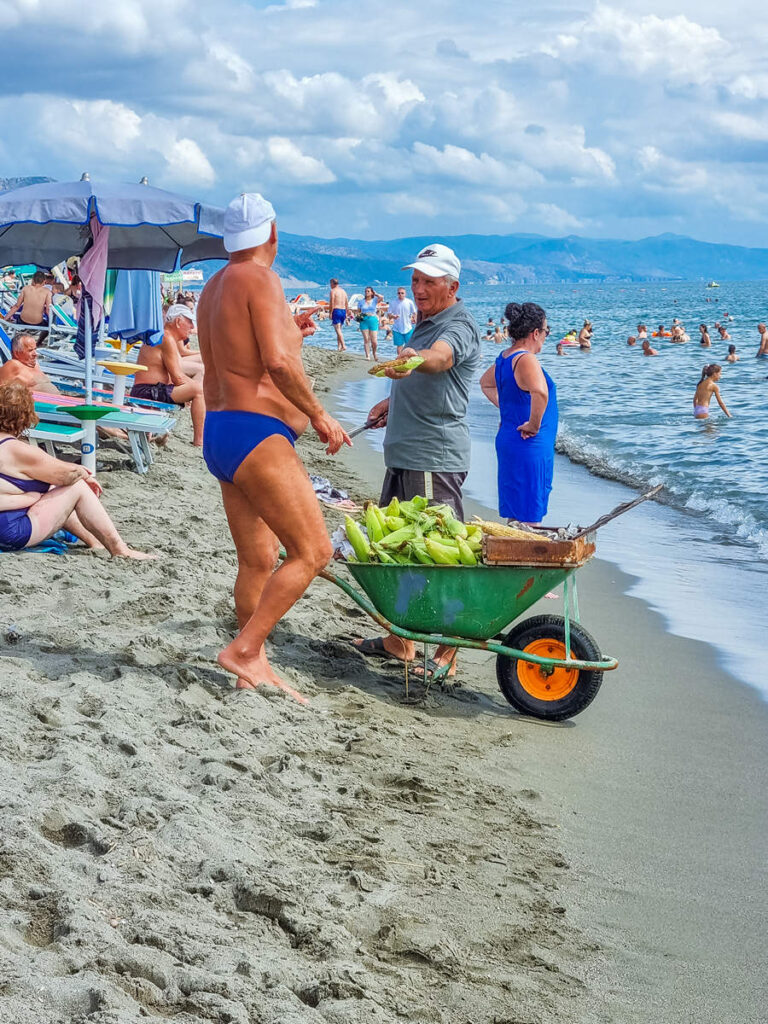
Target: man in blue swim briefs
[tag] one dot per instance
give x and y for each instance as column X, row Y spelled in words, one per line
column 338, row 310
column 258, row 400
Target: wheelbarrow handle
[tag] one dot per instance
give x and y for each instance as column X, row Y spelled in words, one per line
column 618, row 511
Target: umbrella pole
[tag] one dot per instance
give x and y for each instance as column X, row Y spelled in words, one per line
column 88, row 444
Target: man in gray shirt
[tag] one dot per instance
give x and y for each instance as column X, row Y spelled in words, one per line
column 427, row 444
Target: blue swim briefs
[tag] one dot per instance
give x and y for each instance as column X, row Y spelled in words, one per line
column 339, row 316
column 230, row 436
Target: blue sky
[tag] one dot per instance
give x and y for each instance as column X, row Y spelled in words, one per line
column 373, row 120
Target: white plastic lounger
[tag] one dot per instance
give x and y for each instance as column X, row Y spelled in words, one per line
column 46, row 434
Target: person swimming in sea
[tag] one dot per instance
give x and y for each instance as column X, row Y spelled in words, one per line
column 731, row 357
column 705, row 389
column 705, row 341
column 631, row 340
column 647, row 350
column 762, row 352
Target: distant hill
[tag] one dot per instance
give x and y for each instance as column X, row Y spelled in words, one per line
column 308, row 262
column 524, row 259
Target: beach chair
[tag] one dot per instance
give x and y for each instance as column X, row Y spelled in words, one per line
column 137, row 425
column 46, row 434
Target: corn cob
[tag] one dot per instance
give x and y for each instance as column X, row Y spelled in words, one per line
column 357, row 539
column 441, row 554
column 499, row 530
column 372, row 523
column 466, row 555
column 377, row 370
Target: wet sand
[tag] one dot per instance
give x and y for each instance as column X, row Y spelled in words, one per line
column 172, row 849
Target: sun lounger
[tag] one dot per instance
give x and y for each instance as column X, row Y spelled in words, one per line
column 46, row 434
column 137, row 425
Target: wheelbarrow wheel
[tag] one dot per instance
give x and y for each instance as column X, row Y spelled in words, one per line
column 554, row 694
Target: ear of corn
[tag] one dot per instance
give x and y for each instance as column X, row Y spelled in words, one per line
column 358, row 540
column 416, row 533
column 500, row 530
column 372, row 524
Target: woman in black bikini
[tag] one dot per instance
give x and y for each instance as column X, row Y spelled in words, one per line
column 40, row 495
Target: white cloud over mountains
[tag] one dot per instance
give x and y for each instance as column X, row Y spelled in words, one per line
column 357, row 117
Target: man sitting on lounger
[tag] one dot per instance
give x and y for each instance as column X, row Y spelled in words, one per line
column 24, row 367
column 164, row 379
column 33, row 304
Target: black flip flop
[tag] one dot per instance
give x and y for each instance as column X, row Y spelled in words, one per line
column 374, row 648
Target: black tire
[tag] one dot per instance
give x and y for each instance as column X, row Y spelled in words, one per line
column 584, row 648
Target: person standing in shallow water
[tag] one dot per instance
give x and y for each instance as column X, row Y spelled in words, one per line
column 706, row 388
column 526, row 398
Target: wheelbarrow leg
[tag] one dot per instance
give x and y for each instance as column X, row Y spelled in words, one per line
column 567, row 614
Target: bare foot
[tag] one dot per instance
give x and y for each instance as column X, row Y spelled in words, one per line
column 197, row 444
column 251, row 672
column 112, row 432
column 161, row 440
column 96, row 546
column 139, row 556
column 243, row 684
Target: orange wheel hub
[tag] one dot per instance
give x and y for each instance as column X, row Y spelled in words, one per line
column 546, row 683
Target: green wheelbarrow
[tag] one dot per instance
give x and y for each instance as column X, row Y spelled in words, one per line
column 547, row 666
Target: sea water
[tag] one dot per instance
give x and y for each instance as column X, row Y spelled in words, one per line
column 700, row 555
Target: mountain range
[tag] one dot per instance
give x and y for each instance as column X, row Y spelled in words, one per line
column 306, row 261
column 523, row 259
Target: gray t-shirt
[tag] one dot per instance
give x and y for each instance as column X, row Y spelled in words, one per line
column 427, row 423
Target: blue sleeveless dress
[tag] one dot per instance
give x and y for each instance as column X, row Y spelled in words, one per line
column 525, row 467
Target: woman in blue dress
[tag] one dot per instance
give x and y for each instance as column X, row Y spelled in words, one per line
column 526, row 397
column 369, row 321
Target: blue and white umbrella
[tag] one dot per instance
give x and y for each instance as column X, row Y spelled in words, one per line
column 149, row 229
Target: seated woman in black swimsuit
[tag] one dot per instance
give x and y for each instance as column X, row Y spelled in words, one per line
column 40, row 495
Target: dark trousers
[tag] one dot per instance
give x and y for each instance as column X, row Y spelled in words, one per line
column 439, row 488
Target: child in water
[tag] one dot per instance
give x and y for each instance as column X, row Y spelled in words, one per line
column 731, row 357
column 706, row 388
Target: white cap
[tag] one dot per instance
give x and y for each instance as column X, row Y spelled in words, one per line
column 437, row 260
column 179, row 309
column 247, row 222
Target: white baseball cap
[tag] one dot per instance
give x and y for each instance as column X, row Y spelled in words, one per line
column 247, row 221
column 436, row 260
column 179, row 309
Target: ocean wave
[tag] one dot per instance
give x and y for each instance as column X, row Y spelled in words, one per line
column 677, row 492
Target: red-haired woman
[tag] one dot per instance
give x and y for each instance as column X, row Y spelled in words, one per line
column 40, row 494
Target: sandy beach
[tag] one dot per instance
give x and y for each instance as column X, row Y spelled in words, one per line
column 173, row 849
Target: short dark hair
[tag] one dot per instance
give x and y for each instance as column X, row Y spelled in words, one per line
column 523, row 319
column 38, row 277
column 334, row 282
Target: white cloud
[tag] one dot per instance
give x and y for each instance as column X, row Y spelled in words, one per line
column 460, row 164
column 404, row 133
column 404, row 203
column 290, row 5
column 288, row 160
column 681, row 49
column 187, row 163
column 751, row 87
column 556, row 218
column 742, row 126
